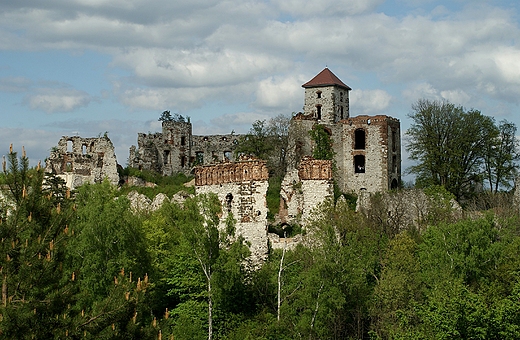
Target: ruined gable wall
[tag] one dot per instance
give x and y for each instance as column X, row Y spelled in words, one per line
column 80, row 160
column 241, row 188
column 214, row 148
column 302, row 190
column 174, row 151
column 375, row 175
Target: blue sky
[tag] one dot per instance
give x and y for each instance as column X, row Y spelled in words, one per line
column 86, row 67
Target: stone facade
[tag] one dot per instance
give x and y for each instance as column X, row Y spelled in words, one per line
column 81, row 160
column 241, row 188
column 367, row 148
column 176, row 149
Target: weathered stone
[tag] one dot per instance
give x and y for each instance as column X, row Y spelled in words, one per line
column 83, row 160
column 241, row 188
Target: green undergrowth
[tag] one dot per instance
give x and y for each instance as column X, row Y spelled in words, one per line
column 168, row 185
column 273, row 197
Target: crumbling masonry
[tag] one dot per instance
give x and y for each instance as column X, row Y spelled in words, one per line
column 367, row 159
column 83, row 160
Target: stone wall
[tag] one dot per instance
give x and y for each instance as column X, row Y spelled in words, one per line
column 81, row 160
column 372, row 164
column 241, row 188
column 303, row 189
column 176, row 149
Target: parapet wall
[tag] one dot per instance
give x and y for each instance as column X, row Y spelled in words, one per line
column 245, row 170
column 310, row 168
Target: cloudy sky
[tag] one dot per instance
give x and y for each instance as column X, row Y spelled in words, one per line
column 86, row 67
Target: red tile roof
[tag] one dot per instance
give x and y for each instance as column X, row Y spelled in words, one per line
column 326, row 78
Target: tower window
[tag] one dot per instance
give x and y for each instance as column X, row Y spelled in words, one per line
column 341, row 96
column 183, row 140
column 359, row 139
column 166, row 155
column 318, row 111
column 359, row 164
column 341, row 112
column 318, row 94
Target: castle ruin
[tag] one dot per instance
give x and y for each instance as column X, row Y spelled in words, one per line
column 80, row 160
column 367, row 149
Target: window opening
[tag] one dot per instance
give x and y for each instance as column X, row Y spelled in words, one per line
column 229, row 200
column 227, row 155
column 341, row 112
column 394, row 140
column 394, row 184
column 68, row 167
column 183, row 140
column 318, row 94
column 318, row 111
column 359, row 139
column 166, row 156
column 69, row 146
column 199, row 157
column 394, row 163
column 183, row 161
column 359, row 164
column 84, row 149
column 341, row 96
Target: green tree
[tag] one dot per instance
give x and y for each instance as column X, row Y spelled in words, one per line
column 37, row 291
column 255, row 143
column 501, row 156
column 208, row 268
column 110, row 264
column 449, row 145
column 322, row 143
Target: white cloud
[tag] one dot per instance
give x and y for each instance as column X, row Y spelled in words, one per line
column 369, row 102
column 281, row 93
column 57, row 100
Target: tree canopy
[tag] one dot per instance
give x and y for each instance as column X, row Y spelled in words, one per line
column 455, row 148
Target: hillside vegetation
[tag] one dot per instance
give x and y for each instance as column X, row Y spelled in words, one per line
column 82, row 265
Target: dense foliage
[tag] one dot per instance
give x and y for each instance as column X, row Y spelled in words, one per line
column 83, row 265
column 459, row 149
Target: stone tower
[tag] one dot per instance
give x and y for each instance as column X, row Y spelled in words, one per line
column 326, row 98
column 367, row 148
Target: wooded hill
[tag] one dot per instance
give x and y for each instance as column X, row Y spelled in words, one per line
column 83, row 265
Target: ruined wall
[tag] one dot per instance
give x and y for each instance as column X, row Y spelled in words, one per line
column 303, row 189
column 368, row 156
column 80, row 160
column 176, row 149
column 213, row 149
column 241, row 188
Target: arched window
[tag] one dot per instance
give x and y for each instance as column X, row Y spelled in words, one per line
column 359, row 139
column 359, row 164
